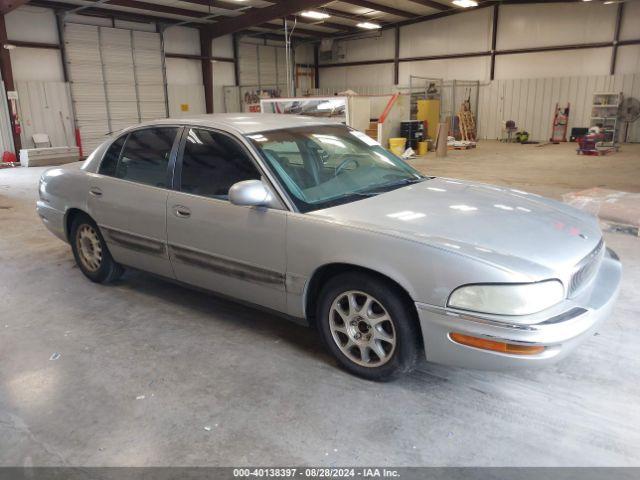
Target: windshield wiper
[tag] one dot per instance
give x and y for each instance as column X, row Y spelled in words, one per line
column 393, row 185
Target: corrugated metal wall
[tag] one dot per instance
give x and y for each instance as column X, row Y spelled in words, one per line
column 82, row 50
column 116, row 79
column 262, row 66
column 45, row 107
column 530, row 103
column 189, row 97
column 147, row 60
column 6, row 138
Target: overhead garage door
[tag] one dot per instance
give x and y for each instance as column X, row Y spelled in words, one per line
column 116, row 79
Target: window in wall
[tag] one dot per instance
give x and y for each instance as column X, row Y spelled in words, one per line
column 212, row 162
column 145, row 156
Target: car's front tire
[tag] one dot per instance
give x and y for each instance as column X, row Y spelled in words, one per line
column 91, row 253
column 368, row 325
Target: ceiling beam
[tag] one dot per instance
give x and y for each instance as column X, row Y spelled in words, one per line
column 432, row 4
column 157, row 8
column 7, row 5
column 303, row 31
column 323, row 23
column 103, row 12
column 218, row 4
column 339, row 14
column 380, row 8
column 257, row 16
column 264, row 35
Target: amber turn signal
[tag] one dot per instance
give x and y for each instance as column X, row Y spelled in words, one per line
column 502, row 347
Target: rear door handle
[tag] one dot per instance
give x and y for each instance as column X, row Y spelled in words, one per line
column 182, row 212
column 95, row 191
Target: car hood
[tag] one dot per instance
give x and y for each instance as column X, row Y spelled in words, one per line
column 506, row 227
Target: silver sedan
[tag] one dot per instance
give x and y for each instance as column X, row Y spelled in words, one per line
column 318, row 222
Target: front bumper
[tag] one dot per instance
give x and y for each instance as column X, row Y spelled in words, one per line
column 569, row 324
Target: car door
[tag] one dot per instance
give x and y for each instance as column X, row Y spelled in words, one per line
column 128, row 197
column 235, row 250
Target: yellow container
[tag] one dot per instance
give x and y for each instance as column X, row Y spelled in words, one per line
column 429, row 110
column 396, row 145
column 423, row 148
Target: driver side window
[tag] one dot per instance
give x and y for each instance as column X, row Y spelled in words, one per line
column 212, row 162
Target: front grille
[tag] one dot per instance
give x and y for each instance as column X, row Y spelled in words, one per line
column 586, row 269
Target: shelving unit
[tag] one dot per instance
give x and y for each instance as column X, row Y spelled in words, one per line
column 604, row 111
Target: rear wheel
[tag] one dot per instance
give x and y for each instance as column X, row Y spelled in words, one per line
column 368, row 325
column 91, row 253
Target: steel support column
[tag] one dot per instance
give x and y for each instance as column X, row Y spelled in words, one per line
column 616, row 39
column 7, row 78
column 207, row 70
column 494, row 39
column 396, row 57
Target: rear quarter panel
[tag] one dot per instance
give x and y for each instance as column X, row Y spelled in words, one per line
column 60, row 190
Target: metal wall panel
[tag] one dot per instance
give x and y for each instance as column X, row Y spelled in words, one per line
column 268, row 66
column 45, row 107
column 262, row 66
column 147, row 56
column 119, row 76
column 189, row 97
column 531, row 102
column 248, row 64
column 84, row 64
column 6, row 137
column 117, row 79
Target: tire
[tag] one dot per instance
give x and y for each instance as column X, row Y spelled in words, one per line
column 363, row 341
column 91, row 253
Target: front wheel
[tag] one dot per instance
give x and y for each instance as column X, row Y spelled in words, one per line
column 91, row 252
column 368, row 325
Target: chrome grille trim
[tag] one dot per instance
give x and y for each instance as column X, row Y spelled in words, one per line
column 586, row 269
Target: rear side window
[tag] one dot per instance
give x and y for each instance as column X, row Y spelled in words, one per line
column 110, row 160
column 212, row 163
column 144, row 157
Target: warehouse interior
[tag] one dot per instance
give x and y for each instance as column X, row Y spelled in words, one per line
column 537, row 96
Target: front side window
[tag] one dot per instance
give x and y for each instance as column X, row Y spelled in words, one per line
column 212, row 162
column 144, row 157
column 323, row 166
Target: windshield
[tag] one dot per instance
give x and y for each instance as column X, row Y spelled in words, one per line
column 323, row 166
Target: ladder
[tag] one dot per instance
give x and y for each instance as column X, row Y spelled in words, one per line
column 467, row 125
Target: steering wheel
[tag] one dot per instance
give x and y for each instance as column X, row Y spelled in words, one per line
column 344, row 163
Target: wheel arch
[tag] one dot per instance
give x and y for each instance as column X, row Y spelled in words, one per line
column 322, row 274
column 70, row 215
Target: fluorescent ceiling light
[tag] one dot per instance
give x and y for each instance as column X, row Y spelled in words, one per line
column 465, row 3
column 315, row 15
column 368, row 25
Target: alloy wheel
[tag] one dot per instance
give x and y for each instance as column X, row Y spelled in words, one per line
column 362, row 329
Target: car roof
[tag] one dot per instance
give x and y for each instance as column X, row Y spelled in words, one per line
column 244, row 122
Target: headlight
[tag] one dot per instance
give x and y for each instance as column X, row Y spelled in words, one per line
column 521, row 299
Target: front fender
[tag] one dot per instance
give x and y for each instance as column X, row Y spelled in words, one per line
column 428, row 274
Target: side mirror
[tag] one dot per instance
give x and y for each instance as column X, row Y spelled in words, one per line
column 251, row 193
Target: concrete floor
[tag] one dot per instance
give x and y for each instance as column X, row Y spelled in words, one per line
column 146, row 365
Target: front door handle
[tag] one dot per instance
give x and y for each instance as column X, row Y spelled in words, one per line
column 95, row 191
column 182, row 212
